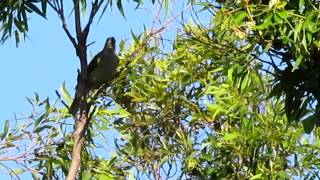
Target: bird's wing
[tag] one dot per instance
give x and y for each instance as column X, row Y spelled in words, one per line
column 94, row 63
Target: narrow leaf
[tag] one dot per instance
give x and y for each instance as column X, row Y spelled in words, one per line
column 44, row 7
column 5, row 130
column 65, row 93
column 120, row 7
column 34, row 8
column 166, row 7
column 309, row 123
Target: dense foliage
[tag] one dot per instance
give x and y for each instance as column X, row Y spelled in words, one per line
column 220, row 100
column 285, row 36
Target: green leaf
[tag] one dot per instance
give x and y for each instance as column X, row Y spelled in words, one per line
column 257, row 176
column 40, row 129
column 83, row 6
column 16, row 172
column 9, row 24
column 139, row 2
column 304, row 41
column 47, row 104
column 166, row 7
column 206, row 157
column 309, row 123
column 283, row 14
column 289, row 105
column 44, row 7
column 105, row 8
column 122, row 44
column 35, row 176
column 309, row 37
column 25, row 19
column 239, row 17
column 120, row 7
column 301, row 5
column 231, row 136
column 5, row 130
column 37, row 97
column 135, row 38
column 105, row 176
column 65, row 93
column 311, row 25
column 277, row 18
column 34, row 8
column 244, row 82
column 266, row 23
column 297, row 31
column 298, row 62
column 214, row 109
column 30, row 101
column 17, row 37
column 230, row 75
column 86, row 175
column 41, row 117
column 18, row 24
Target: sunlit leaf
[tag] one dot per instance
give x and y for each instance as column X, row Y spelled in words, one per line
column 266, row 23
column 230, row 136
column 166, row 7
column 65, row 93
column 5, row 130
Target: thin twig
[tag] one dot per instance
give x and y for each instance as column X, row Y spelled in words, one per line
column 274, row 66
column 94, row 9
column 61, row 100
column 157, row 16
column 59, row 10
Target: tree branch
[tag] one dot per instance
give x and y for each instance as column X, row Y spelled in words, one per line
column 77, row 19
column 83, row 121
column 94, row 9
column 81, row 128
column 58, row 7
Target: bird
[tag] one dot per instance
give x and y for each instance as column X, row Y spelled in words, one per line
column 101, row 70
column 103, row 66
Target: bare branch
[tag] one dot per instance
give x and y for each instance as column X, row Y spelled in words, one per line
column 58, row 7
column 77, row 19
column 157, row 16
column 94, row 9
column 82, row 126
column 263, row 61
column 83, row 120
column 16, row 158
column 273, row 62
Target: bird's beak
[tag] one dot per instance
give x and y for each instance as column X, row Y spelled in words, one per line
column 111, row 43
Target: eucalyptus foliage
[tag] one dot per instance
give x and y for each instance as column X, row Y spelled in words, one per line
column 220, row 103
column 284, row 35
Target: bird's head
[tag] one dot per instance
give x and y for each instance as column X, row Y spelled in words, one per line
column 110, row 44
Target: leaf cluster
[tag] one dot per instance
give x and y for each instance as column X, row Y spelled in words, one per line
column 284, row 36
column 14, row 16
